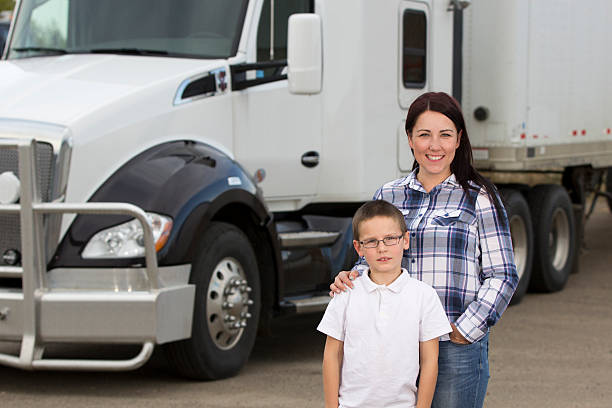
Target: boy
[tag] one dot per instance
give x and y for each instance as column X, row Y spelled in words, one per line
column 383, row 333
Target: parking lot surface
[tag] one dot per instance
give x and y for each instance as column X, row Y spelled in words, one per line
column 551, row 350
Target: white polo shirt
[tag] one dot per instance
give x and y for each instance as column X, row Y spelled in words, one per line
column 381, row 327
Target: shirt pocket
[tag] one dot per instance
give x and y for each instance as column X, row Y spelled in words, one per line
column 458, row 218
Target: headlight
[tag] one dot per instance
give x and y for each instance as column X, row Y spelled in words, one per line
column 127, row 240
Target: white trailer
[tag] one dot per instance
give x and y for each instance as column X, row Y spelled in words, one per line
column 179, row 173
column 536, row 94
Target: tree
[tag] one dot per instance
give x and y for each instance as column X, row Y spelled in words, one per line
column 7, row 4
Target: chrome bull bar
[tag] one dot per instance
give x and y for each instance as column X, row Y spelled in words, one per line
column 154, row 306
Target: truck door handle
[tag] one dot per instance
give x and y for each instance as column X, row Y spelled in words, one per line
column 310, row 159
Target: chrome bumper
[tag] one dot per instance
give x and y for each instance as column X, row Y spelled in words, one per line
column 131, row 306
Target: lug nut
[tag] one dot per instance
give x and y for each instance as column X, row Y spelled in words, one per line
column 230, row 318
column 243, row 324
column 245, row 315
column 236, row 325
column 249, row 302
column 227, row 305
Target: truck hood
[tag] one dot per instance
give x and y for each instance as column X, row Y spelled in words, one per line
column 63, row 89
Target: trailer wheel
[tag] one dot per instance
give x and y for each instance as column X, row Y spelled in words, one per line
column 521, row 231
column 555, row 243
column 226, row 310
column 609, row 185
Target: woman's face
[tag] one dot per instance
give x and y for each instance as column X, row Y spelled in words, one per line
column 434, row 140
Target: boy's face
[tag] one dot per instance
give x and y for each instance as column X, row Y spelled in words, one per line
column 383, row 258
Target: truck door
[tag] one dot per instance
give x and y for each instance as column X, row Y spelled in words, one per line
column 414, row 72
column 278, row 134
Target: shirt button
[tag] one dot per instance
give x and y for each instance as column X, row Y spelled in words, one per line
column 414, row 234
column 414, row 260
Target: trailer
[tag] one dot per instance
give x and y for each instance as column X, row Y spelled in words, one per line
column 178, row 174
column 538, row 107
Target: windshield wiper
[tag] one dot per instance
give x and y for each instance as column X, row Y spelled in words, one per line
column 127, row 51
column 40, row 49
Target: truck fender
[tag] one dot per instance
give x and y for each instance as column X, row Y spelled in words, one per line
column 191, row 182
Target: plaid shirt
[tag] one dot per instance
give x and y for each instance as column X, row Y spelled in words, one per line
column 459, row 247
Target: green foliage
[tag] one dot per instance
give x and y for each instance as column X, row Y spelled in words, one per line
column 7, row 4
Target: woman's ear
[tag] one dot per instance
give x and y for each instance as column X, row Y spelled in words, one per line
column 459, row 138
column 410, row 141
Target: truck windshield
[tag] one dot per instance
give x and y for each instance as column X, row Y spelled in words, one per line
column 179, row 28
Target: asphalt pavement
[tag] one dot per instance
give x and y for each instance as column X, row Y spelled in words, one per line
column 551, row 350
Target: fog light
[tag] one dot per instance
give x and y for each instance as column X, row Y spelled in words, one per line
column 11, row 257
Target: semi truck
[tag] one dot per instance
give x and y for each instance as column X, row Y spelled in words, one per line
column 178, row 174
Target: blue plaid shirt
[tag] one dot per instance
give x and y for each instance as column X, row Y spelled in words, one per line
column 459, row 247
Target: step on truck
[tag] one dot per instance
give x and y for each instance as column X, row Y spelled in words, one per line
column 177, row 174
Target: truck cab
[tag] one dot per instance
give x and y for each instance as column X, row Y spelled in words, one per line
column 179, row 173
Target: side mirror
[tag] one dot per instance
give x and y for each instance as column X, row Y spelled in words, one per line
column 304, row 54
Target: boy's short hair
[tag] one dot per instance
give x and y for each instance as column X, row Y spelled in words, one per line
column 377, row 208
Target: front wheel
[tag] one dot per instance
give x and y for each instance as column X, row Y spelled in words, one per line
column 226, row 310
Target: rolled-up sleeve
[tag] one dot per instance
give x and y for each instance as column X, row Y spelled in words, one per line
column 498, row 275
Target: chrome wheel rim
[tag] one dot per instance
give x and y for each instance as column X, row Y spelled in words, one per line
column 518, row 233
column 559, row 239
column 227, row 303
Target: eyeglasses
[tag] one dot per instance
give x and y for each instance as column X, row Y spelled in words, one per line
column 388, row 241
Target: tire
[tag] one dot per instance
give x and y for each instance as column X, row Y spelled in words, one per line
column 522, row 188
column 609, row 185
column 521, row 229
column 555, row 244
column 226, row 310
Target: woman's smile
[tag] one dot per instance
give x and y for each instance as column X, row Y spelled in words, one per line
column 434, row 157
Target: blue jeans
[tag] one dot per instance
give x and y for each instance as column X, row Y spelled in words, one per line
column 463, row 374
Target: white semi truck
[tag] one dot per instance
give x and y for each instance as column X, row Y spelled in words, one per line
column 178, row 173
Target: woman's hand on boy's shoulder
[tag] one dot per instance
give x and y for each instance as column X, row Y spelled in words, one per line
column 342, row 282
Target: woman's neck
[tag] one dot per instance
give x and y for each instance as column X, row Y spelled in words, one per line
column 429, row 181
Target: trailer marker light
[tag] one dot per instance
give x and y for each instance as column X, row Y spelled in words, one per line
column 523, row 136
column 574, row 132
column 608, row 130
column 583, row 132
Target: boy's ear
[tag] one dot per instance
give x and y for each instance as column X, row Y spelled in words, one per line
column 407, row 240
column 357, row 248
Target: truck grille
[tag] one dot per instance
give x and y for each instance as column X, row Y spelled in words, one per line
column 10, row 233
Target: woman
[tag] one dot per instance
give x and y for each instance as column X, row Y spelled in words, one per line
column 459, row 244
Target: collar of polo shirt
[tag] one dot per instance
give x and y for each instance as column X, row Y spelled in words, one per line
column 396, row 286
